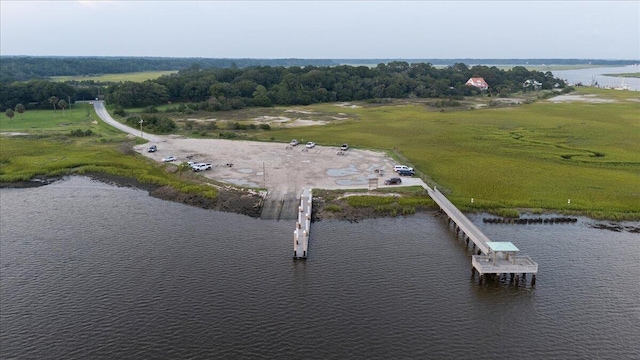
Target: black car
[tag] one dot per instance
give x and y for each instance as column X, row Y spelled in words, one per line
column 406, row 172
column 393, row 181
column 152, row 148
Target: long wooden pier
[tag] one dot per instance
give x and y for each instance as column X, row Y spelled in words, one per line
column 492, row 257
column 303, row 226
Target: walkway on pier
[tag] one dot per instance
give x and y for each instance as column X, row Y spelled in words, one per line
column 467, row 227
column 497, row 257
column 303, row 226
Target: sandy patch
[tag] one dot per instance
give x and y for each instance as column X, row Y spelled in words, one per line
column 303, row 122
column 300, row 112
column 589, row 98
column 348, row 105
column 278, row 119
column 10, row 133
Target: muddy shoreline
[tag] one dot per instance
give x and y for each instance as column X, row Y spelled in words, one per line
column 239, row 201
column 228, row 200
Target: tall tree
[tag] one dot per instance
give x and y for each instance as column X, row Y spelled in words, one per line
column 10, row 114
column 20, row 109
column 53, row 101
column 62, row 105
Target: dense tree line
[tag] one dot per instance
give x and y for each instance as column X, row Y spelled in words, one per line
column 35, row 93
column 22, row 68
column 215, row 89
column 233, row 88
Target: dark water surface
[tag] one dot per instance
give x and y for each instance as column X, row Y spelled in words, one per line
column 89, row 270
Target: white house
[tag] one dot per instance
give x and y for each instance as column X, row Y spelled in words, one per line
column 532, row 84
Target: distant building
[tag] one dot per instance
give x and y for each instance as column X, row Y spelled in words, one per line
column 532, row 84
column 478, row 82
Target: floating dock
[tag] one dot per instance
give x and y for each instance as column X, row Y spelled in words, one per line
column 303, row 226
column 493, row 257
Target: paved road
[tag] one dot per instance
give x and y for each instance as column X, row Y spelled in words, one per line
column 104, row 115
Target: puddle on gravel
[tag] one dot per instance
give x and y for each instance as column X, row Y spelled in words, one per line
column 351, row 170
column 245, row 171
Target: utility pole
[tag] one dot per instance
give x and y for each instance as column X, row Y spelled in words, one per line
column 141, row 121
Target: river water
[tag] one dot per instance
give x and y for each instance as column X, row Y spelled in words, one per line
column 89, row 270
column 587, row 76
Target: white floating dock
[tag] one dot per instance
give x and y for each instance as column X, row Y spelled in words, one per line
column 303, row 226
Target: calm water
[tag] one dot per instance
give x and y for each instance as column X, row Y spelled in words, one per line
column 586, row 76
column 89, row 270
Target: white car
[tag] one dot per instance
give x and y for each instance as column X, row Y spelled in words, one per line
column 169, row 158
column 344, row 147
column 200, row 167
column 310, row 145
column 402, row 168
column 294, row 142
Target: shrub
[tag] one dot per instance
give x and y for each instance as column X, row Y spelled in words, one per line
column 333, row 208
column 265, row 127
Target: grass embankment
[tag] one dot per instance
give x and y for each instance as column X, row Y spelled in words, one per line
column 535, row 156
column 629, row 75
column 353, row 205
column 135, row 77
column 51, row 151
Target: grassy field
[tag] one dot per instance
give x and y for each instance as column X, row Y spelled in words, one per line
column 135, row 77
column 50, row 150
column 528, row 156
column 50, row 122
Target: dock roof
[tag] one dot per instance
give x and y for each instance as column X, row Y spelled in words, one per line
column 501, row 246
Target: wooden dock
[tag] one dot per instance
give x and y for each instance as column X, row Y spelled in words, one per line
column 493, row 258
column 303, row 226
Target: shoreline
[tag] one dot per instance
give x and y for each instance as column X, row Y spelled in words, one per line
column 243, row 202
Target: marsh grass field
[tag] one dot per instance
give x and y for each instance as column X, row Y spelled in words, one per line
column 576, row 154
column 135, row 77
column 570, row 156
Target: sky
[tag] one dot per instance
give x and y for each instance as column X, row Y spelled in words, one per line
column 323, row 29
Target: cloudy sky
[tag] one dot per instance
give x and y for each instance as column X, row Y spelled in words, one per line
column 323, row 29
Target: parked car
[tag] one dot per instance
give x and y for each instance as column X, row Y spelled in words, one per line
column 152, row 148
column 344, row 147
column 406, row 172
column 310, row 145
column 169, row 158
column 201, row 167
column 393, row 181
column 402, row 167
column 294, row 142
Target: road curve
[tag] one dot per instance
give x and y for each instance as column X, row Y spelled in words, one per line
column 101, row 110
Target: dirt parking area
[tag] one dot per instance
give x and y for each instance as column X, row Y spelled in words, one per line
column 278, row 167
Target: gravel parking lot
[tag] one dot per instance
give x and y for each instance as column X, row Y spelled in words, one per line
column 280, row 168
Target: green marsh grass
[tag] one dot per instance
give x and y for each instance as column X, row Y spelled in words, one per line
column 135, row 77
column 528, row 156
column 22, row 159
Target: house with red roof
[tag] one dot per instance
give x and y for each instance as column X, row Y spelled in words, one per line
column 477, row 82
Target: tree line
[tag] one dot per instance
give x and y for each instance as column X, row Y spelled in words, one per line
column 216, row 89
column 23, row 68
column 234, row 88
